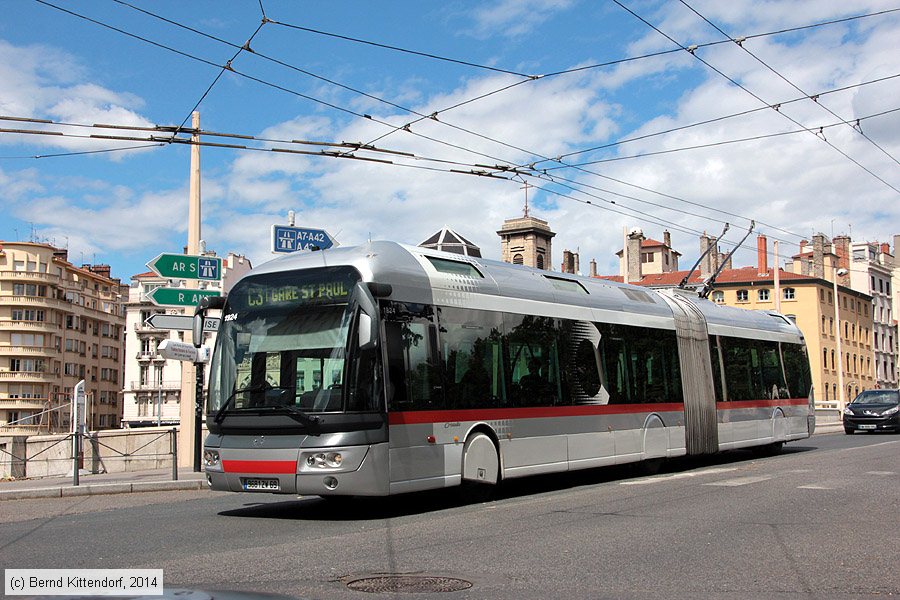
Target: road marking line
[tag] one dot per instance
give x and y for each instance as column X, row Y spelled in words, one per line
column 740, row 481
column 685, row 475
column 880, row 473
column 871, row 446
column 814, row 487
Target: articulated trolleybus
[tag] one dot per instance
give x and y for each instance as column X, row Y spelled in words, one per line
column 385, row 368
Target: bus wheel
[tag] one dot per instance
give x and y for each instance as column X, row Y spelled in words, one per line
column 480, row 468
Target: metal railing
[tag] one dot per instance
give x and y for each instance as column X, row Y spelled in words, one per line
column 101, row 453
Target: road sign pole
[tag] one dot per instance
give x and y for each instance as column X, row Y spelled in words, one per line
column 198, row 416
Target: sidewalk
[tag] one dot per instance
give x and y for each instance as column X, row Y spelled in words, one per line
column 102, row 483
column 161, row 479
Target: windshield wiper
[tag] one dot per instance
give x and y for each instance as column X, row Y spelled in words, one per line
column 258, row 387
column 296, row 414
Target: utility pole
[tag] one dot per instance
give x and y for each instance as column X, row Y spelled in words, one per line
column 190, row 410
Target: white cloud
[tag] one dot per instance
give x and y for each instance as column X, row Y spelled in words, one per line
column 42, row 82
column 515, row 17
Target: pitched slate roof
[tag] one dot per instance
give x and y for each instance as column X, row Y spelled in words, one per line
column 448, row 240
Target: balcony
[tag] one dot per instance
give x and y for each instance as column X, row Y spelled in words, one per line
column 28, row 276
column 143, row 355
column 28, row 351
column 23, row 403
column 38, row 301
column 153, row 386
column 29, row 325
column 28, row 377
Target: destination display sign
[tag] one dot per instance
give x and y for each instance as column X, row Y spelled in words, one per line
column 322, row 286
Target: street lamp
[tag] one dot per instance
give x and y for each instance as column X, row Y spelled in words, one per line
column 840, row 354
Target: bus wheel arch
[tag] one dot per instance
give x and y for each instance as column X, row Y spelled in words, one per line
column 481, row 456
column 656, row 437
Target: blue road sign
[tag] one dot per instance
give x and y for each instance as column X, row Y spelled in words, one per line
column 287, row 239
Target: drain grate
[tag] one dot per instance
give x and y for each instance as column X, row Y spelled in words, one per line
column 409, row 584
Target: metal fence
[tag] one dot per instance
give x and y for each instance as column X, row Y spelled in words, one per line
column 114, row 451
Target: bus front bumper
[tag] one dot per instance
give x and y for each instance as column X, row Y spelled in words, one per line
column 336, row 471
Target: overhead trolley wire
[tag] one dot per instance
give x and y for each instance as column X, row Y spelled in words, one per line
column 757, row 97
column 273, row 85
column 725, row 117
column 740, row 44
column 816, row 129
column 433, row 116
column 226, row 67
column 402, row 50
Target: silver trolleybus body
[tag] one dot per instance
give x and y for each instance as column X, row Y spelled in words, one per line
column 386, row 368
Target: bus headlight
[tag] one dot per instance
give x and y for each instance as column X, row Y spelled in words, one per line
column 211, row 460
column 324, row 460
column 336, row 460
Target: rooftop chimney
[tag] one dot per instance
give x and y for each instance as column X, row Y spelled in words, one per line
column 593, row 268
column 818, row 264
column 633, row 268
column 762, row 254
column 667, row 238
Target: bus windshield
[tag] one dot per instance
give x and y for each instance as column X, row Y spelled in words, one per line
column 283, row 347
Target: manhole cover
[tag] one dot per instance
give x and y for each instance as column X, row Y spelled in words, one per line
column 410, row 584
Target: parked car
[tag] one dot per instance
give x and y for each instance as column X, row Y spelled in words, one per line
column 873, row 410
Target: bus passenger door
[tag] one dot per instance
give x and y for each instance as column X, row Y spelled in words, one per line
column 414, row 388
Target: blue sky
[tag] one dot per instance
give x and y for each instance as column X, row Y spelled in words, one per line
column 125, row 207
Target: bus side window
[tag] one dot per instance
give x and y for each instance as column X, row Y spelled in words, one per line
column 414, row 378
column 531, row 348
column 470, row 350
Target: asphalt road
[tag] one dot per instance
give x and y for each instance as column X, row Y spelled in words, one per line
column 818, row 521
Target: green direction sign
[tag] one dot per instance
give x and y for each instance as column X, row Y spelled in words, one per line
column 162, row 296
column 186, row 266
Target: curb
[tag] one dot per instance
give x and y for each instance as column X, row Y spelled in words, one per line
column 97, row 489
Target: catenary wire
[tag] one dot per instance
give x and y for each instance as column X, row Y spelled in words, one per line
column 788, row 81
column 737, row 84
column 313, row 99
column 817, row 129
column 434, row 115
column 725, row 117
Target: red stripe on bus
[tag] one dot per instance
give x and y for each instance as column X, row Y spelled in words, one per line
column 536, row 412
column 267, row 467
column 761, row 403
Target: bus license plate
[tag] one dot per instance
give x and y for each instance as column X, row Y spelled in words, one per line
column 266, row 485
column 868, row 426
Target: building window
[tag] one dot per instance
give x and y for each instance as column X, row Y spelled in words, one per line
column 646, row 257
column 517, row 259
column 718, row 297
column 789, row 293
column 763, row 295
column 832, row 360
column 743, row 295
column 830, row 300
column 540, row 261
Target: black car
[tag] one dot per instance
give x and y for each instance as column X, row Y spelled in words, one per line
column 873, row 410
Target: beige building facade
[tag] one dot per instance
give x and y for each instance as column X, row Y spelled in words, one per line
column 59, row 324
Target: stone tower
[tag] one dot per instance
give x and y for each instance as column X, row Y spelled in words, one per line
column 526, row 241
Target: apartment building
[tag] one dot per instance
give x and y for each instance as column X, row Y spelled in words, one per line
column 59, row 324
column 871, row 265
column 153, row 385
column 837, row 321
